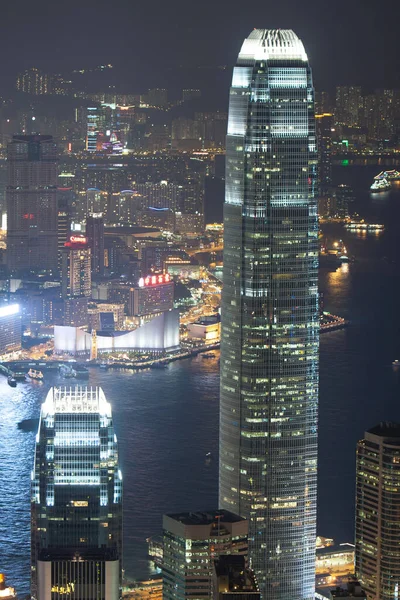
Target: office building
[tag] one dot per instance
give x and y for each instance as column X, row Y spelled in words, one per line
column 10, row 328
column 35, row 82
column 76, row 499
column 378, row 512
column 191, row 543
column 190, row 94
column 270, row 320
column 95, row 240
column 32, row 204
column 76, row 277
column 233, row 580
column 349, row 106
column 352, row 590
column 65, row 199
column 344, row 198
column 153, row 295
column 324, row 128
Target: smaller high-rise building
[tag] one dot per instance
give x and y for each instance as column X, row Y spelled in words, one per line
column 233, row 580
column 10, row 328
column 192, row 541
column 95, row 239
column 351, row 591
column 76, row 499
column 378, row 512
column 32, row 204
column 35, row 82
column 349, row 106
column 76, row 277
column 153, row 295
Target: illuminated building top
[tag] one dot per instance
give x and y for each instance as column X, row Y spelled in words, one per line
column 82, row 400
column 154, row 280
column 272, row 44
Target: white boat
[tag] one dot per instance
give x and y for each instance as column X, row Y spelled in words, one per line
column 380, row 185
column 33, row 374
column 396, row 363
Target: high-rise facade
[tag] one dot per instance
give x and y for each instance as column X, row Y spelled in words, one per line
column 76, row 276
column 32, row 204
column 270, row 324
column 378, row 512
column 95, row 238
column 76, row 499
column 191, row 543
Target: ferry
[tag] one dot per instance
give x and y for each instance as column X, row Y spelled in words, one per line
column 391, row 175
column 103, row 366
column 67, row 371
column 12, row 381
column 19, row 376
column 396, row 363
column 33, row 374
column 361, row 225
column 380, row 185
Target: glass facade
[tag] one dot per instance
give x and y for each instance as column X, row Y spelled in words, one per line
column 76, row 490
column 378, row 511
column 270, row 328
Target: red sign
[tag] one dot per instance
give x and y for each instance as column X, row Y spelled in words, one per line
column 75, row 239
column 154, row 280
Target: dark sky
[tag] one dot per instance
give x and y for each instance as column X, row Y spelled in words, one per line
column 348, row 41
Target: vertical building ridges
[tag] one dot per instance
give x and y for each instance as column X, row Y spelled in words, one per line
column 270, row 324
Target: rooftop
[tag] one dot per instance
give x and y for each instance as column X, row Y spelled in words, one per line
column 83, row 400
column 240, row 578
column 386, row 429
column 206, row 517
column 272, row 44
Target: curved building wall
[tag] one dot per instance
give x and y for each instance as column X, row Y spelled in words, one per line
column 158, row 335
column 270, row 326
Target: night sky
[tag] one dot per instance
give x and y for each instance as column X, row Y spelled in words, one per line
column 149, row 41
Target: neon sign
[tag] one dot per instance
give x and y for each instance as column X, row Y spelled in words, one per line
column 154, row 280
column 75, row 239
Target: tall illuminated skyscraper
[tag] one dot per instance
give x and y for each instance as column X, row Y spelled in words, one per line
column 270, row 328
column 76, row 499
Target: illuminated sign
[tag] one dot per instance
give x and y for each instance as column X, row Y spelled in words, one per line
column 77, row 239
column 154, row 280
column 28, row 216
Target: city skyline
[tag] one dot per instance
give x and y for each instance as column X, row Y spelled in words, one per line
column 87, row 45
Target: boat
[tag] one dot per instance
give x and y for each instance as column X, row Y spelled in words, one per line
column 67, row 371
column 28, row 424
column 380, row 185
column 12, row 381
column 34, row 374
column 391, row 175
column 362, row 225
column 19, row 376
column 81, row 372
column 208, row 355
column 396, row 363
column 103, row 366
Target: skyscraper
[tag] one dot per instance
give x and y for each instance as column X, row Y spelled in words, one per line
column 76, row 499
column 270, row 329
column 191, row 543
column 32, row 204
column 76, row 278
column 378, row 512
column 95, row 238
